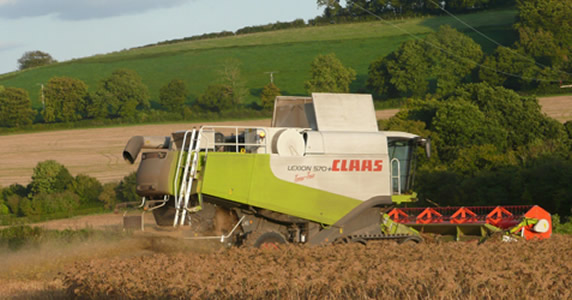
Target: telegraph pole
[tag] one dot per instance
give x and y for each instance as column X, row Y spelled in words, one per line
column 42, row 95
column 271, row 75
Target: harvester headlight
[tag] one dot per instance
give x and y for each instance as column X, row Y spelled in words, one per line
column 542, row 226
column 262, row 134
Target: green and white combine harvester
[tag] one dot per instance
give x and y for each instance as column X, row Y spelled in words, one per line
column 321, row 173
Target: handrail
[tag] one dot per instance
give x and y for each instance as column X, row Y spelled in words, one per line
column 194, row 167
column 178, row 202
column 395, row 159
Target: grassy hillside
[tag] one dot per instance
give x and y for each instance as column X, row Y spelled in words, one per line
column 289, row 52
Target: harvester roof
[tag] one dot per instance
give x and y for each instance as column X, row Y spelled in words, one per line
column 326, row 112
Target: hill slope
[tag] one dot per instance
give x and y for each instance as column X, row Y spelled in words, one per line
column 288, row 52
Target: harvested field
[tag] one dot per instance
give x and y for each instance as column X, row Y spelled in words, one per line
column 96, row 152
column 455, row 270
column 558, row 107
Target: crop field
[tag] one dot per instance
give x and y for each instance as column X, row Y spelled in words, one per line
column 535, row 270
column 144, row 268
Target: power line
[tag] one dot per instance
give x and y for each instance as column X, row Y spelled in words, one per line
column 493, row 41
column 449, row 52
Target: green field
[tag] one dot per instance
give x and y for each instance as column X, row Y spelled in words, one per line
column 288, row 52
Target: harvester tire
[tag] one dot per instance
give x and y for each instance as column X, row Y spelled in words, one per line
column 266, row 240
column 165, row 215
column 410, row 240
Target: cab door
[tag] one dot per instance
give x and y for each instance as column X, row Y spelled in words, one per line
column 402, row 160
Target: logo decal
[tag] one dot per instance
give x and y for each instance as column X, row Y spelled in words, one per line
column 357, row 165
column 298, row 178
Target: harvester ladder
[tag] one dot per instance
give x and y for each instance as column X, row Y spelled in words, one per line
column 190, row 168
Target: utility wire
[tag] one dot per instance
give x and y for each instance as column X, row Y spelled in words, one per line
column 451, row 53
column 493, row 41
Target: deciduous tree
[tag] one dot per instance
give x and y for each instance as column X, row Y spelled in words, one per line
column 173, row 95
column 125, row 191
column 86, row 187
column 545, row 30
column 452, row 56
column 15, row 108
column 231, row 75
column 328, row 74
column 119, row 96
column 402, row 72
column 269, row 93
column 65, row 99
column 520, row 116
column 36, row 58
column 108, row 195
column 447, row 55
column 216, row 98
column 49, row 177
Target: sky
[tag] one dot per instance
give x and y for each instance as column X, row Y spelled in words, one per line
column 68, row 29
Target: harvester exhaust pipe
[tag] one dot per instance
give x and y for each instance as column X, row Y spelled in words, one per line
column 136, row 143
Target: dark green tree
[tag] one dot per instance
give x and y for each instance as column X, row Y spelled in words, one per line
column 328, row 74
column 545, row 30
column 173, row 95
column 33, row 59
column 568, row 126
column 520, row 116
column 460, row 124
column 125, row 191
column 216, row 98
column 15, row 108
column 12, row 195
column 65, row 99
column 403, row 72
column 87, row 188
column 509, row 68
column 119, row 96
column 268, row 95
column 447, row 55
column 452, row 56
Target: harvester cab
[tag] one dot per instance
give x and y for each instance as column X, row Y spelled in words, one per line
column 321, row 173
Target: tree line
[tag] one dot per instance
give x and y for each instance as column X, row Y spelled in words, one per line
column 367, row 10
column 123, row 97
column 297, row 23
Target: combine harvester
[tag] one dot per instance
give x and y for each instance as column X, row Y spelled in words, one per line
column 321, row 173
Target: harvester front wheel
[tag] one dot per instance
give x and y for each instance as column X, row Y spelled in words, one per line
column 266, row 240
column 410, row 240
column 165, row 214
